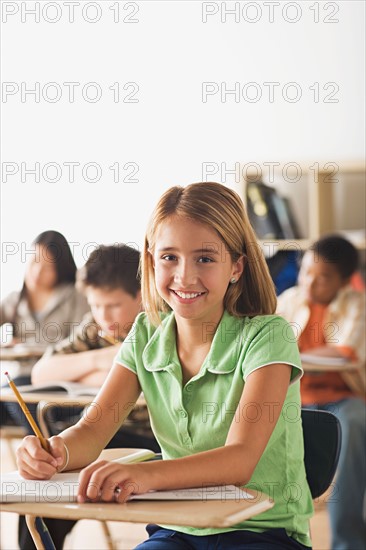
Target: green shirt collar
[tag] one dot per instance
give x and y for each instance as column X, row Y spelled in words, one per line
column 160, row 352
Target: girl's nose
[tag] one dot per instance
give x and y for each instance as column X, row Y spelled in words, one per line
column 185, row 274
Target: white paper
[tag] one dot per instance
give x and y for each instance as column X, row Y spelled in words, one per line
column 64, row 487
column 61, row 488
column 323, row 360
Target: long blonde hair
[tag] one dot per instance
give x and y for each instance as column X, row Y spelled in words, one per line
column 221, row 209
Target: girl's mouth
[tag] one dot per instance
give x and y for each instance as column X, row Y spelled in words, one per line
column 187, row 295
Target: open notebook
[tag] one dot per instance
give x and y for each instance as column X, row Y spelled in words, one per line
column 73, row 389
column 64, row 487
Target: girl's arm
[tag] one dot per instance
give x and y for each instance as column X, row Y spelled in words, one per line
column 74, row 366
column 89, row 436
column 233, row 463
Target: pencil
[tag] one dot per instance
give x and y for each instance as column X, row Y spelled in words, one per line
column 27, row 413
column 108, row 338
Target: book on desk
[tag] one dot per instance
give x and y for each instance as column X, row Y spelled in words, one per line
column 63, row 487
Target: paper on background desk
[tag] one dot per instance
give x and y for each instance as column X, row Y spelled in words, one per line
column 64, row 487
column 323, row 360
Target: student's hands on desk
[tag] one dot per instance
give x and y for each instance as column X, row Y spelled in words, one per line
column 112, row 482
column 100, row 481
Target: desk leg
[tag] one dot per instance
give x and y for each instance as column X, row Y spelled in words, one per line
column 108, row 535
column 40, row 535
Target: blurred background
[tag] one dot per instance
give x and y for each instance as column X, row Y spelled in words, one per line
column 107, row 104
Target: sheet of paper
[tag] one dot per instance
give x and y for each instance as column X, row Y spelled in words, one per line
column 323, row 360
column 61, row 488
column 220, row 492
column 64, row 487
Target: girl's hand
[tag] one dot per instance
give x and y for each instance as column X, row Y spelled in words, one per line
column 36, row 463
column 112, row 482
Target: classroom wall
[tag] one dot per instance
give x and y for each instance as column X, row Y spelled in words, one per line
column 151, row 83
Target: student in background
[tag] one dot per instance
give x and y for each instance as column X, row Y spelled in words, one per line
column 330, row 318
column 48, row 304
column 45, row 309
column 209, row 336
column 109, row 281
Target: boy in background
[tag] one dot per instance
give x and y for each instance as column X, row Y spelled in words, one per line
column 111, row 285
column 330, row 319
column 109, row 280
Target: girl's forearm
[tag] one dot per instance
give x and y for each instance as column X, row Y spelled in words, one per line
column 78, row 441
column 223, row 466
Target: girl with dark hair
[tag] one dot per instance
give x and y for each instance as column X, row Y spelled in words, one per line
column 57, row 250
column 48, row 305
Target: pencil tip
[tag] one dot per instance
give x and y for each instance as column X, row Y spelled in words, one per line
column 6, row 373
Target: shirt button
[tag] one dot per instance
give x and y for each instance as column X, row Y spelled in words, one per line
column 189, row 388
column 183, row 414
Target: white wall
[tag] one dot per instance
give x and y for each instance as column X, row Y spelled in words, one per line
column 169, row 52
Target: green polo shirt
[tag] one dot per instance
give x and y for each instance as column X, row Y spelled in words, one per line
column 197, row 416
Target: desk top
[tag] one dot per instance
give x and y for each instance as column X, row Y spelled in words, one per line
column 21, row 351
column 57, row 398
column 210, row 513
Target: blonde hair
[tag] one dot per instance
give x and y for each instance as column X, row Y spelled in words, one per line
column 221, row 209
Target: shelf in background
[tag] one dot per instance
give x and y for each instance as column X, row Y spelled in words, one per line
column 324, row 198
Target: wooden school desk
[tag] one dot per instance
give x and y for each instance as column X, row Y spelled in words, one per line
column 210, row 513
column 19, row 360
column 18, row 352
column 46, row 400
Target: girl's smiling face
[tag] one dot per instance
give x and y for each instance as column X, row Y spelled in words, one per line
column 193, row 269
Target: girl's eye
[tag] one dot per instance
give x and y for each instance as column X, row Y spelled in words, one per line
column 205, row 260
column 169, row 257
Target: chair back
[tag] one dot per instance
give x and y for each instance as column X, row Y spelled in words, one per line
column 322, row 443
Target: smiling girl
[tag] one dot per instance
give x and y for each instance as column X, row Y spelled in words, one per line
column 220, row 374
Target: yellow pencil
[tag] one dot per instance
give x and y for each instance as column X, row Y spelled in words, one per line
column 108, row 338
column 27, row 413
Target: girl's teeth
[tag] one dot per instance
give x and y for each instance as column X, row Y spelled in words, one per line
column 188, row 295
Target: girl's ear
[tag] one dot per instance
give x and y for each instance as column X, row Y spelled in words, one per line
column 238, row 267
column 152, row 257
